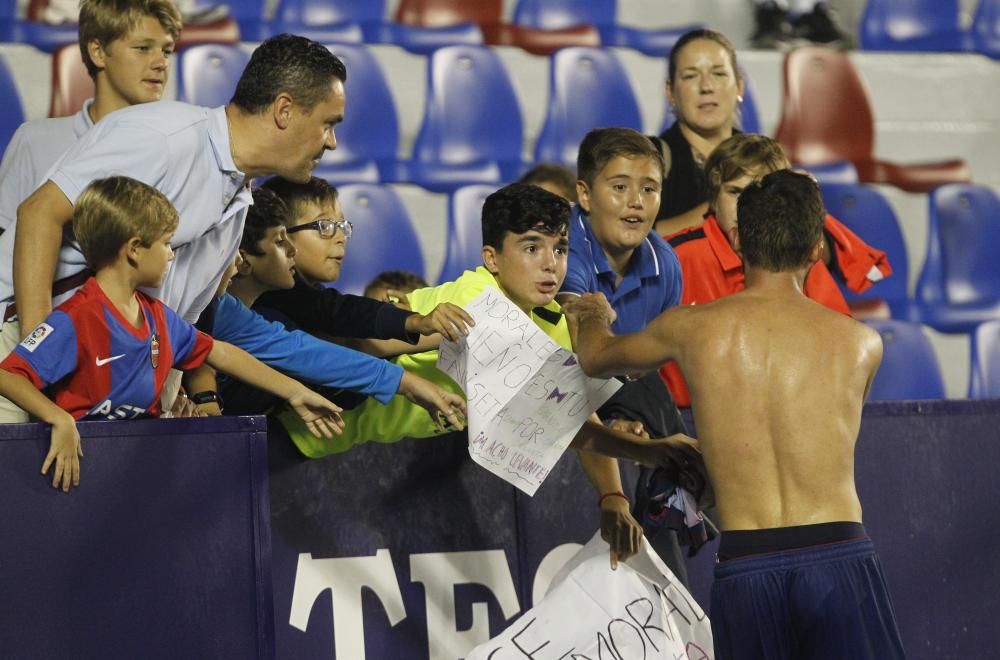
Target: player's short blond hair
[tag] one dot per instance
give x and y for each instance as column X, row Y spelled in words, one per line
column 109, row 20
column 112, row 211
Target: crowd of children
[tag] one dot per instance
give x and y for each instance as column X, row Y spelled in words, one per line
column 147, row 250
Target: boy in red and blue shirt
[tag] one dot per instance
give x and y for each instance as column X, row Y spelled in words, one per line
column 106, row 352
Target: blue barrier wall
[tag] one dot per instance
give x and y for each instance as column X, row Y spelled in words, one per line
column 162, row 552
column 410, row 550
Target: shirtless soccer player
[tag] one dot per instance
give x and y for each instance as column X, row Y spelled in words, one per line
column 777, row 385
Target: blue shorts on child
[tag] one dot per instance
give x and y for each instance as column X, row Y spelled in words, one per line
column 826, row 601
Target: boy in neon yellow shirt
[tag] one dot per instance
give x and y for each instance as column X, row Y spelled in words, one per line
column 525, row 248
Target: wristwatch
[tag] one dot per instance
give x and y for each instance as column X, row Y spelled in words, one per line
column 208, row 396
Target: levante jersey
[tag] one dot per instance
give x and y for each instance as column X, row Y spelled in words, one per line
column 97, row 365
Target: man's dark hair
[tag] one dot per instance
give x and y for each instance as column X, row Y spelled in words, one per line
column 316, row 191
column 266, row 211
column 602, row 145
column 780, row 219
column 287, row 63
column 521, row 207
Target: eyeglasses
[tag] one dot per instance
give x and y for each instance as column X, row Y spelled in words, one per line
column 326, row 227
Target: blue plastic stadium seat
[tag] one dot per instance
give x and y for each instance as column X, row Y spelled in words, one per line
column 838, row 171
column 910, row 368
column 913, row 25
column 319, row 20
column 984, row 372
column 562, row 14
column 384, row 236
column 749, row 117
column 12, row 115
column 368, row 137
column 867, row 213
column 10, row 29
column 472, row 128
column 986, row 28
column 426, row 40
column 588, row 89
column 959, row 285
column 207, row 74
column 465, row 231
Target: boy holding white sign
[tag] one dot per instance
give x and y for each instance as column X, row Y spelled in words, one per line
column 614, row 250
column 524, row 257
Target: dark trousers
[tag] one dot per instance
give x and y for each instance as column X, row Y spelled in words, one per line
column 826, row 602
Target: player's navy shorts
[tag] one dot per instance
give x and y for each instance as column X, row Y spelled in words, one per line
column 821, row 600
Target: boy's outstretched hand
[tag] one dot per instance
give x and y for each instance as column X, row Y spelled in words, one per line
column 445, row 408
column 622, row 532
column 65, row 452
column 450, row 321
column 322, row 417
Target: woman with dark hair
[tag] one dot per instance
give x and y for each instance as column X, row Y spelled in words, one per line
column 705, row 87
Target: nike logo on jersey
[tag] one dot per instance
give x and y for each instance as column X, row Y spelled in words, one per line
column 103, row 361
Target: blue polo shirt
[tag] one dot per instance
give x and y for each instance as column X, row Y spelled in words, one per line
column 652, row 283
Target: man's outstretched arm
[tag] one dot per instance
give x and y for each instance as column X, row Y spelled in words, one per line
column 604, row 355
column 40, row 222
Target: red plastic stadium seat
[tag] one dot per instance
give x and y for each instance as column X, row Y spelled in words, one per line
column 541, row 42
column 826, row 117
column 488, row 15
column 444, row 13
column 71, row 85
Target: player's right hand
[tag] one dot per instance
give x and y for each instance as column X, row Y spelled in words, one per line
column 590, row 306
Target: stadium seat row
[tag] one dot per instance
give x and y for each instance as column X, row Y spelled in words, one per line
column 539, row 26
column 472, row 129
column 953, row 295
column 958, row 287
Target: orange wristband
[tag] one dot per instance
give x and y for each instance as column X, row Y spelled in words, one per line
column 614, row 493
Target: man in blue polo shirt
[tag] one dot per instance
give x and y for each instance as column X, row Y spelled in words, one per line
column 613, row 250
column 280, row 121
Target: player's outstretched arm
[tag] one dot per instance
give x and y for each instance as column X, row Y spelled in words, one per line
column 322, row 417
column 603, row 355
column 65, row 449
column 628, row 440
column 41, row 219
column 445, row 408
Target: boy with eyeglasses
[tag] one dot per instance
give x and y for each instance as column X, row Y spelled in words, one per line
column 266, row 262
column 320, row 233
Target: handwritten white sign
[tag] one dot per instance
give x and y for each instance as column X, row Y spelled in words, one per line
column 639, row 611
column 527, row 396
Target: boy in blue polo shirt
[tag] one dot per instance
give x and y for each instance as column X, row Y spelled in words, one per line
column 614, row 250
column 106, row 352
column 612, row 246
